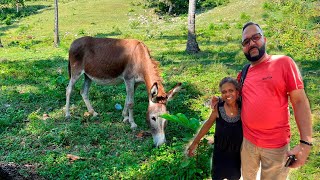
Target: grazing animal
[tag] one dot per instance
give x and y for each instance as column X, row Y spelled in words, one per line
column 111, row 61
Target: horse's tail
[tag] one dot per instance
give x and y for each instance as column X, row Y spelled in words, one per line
column 76, row 51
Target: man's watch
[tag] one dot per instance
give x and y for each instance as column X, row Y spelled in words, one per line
column 305, row 142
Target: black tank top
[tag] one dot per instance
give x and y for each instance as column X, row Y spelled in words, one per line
column 228, row 133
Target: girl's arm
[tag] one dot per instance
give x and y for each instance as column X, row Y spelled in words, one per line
column 203, row 131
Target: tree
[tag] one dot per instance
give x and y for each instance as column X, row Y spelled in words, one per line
column 192, row 45
column 56, row 24
column 1, row 44
column 19, row 3
column 170, row 4
column 171, row 7
column 13, row 3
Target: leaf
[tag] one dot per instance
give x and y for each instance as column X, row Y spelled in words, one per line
column 170, row 117
column 187, row 138
column 183, row 118
column 72, row 157
column 142, row 134
column 45, row 116
column 184, row 164
column 139, row 135
column 86, row 114
column 195, row 123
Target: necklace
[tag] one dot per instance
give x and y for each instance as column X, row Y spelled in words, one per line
column 231, row 113
column 226, row 117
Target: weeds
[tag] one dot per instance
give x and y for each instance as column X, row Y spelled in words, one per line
column 33, row 78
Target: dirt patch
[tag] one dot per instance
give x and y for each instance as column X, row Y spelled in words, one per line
column 12, row 171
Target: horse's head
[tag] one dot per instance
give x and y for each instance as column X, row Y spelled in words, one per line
column 157, row 107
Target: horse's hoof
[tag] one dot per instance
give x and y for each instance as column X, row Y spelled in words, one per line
column 133, row 126
column 90, row 113
column 95, row 114
column 126, row 119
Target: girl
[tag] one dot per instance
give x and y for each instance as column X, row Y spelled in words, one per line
column 228, row 133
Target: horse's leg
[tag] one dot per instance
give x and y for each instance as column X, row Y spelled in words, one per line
column 125, row 112
column 130, row 102
column 72, row 81
column 85, row 95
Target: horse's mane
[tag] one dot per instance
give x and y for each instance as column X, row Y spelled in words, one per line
column 157, row 71
column 155, row 64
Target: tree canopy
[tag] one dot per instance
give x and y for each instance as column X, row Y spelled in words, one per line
column 181, row 6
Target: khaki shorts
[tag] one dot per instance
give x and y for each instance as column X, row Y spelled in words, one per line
column 272, row 162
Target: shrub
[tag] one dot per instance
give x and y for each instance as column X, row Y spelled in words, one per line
column 181, row 6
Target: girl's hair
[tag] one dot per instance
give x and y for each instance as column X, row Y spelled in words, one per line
column 229, row 80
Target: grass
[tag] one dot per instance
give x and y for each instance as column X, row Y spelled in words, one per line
column 33, row 78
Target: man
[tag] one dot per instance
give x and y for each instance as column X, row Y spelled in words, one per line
column 270, row 82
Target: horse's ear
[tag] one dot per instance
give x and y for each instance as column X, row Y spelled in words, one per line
column 154, row 92
column 173, row 91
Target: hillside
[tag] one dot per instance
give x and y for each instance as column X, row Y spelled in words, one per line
column 35, row 138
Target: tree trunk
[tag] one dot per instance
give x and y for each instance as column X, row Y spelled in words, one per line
column 56, row 25
column 17, row 5
column 192, row 45
column 170, row 8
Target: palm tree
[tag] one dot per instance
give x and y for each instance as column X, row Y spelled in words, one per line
column 56, row 24
column 192, row 45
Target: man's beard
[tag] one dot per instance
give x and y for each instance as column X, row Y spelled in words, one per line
column 261, row 50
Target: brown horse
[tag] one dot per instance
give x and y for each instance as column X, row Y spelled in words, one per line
column 111, row 61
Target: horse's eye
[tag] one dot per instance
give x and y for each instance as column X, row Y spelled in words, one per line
column 153, row 118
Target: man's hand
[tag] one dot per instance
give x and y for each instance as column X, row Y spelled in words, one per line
column 301, row 151
column 302, row 114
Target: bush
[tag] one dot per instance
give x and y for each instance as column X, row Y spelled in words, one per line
column 181, row 6
column 9, row 13
column 199, row 166
column 299, row 41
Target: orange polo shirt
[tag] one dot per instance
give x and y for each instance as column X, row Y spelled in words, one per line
column 265, row 112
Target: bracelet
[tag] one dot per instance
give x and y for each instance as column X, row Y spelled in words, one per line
column 305, row 142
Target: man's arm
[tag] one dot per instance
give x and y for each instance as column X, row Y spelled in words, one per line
column 302, row 114
column 214, row 101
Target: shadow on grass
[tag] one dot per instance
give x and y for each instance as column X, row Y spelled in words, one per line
column 10, row 15
column 28, row 86
column 33, row 89
column 107, row 35
column 3, row 29
column 310, row 73
column 204, row 57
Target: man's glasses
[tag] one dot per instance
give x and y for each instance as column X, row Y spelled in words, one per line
column 254, row 38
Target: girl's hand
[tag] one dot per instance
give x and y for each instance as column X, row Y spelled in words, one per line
column 191, row 149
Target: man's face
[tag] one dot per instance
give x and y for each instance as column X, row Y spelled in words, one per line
column 253, row 43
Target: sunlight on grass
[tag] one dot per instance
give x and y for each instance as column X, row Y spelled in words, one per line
column 27, row 89
column 34, row 75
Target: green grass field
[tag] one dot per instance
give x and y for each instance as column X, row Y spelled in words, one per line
column 34, row 75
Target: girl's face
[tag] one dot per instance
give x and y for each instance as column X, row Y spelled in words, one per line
column 229, row 93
